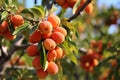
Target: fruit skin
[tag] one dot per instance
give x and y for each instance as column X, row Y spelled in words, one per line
column 58, row 37
column 60, row 2
column 45, row 27
column 59, row 52
column 89, row 8
column 65, row 5
column 32, row 50
column 55, row 20
column 35, row 37
column 49, row 44
column 62, row 30
column 36, row 63
column 7, row 34
column 46, row 35
column 52, row 68
column 71, row 2
column 51, row 55
column 17, row 20
column 3, row 26
column 41, row 74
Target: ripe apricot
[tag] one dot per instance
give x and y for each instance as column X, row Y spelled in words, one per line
column 65, row 5
column 55, row 20
column 59, row 52
column 62, row 30
column 32, row 50
column 41, row 74
column 60, row 2
column 3, row 26
column 45, row 27
column 7, row 34
column 89, row 8
column 46, row 35
column 71, row 2
column 49, row 44
column 51, row 55
column 35, row 37
column 17, row 20
column 52, row 68
column 58, row 37
column 36, row 63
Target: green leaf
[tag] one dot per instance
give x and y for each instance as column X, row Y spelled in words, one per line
column 73, row 58
column 8, row 1
column 27, row 11
column 33, row 29
column 76, row 6
column 42, row 55
column 38, row 10
column 11, row 28
column 4, row 15
column 21, row 29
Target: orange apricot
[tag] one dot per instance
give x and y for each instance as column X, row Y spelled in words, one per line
column 41, row 74
column 58, row 37
column 17, row 20
column 32, row 50
column 62, row 30
column 59, row 52
column 35, row 37
column 60, row 2
column 52, row 68
column 51, row 55
column 49, row 44
column 65, row 5
column 55, row 20
column 36, row 63
column 46, row 35
column 45, row 27
column 7, row 34
column 3, row 26
column 89, row 8
column 71, row 2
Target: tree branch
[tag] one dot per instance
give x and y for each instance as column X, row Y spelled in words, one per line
column 80, row 10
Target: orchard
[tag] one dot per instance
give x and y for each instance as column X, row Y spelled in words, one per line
column 59, row 40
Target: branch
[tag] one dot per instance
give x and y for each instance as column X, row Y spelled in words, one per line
column 80, row 10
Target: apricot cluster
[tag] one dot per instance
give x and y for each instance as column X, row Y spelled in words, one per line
column 70, row 3
column 51, row 34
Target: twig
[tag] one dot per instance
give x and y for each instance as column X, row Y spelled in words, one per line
column 80, row 10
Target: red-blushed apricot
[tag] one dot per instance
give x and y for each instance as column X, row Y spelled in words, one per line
column 59, row 52
column 71, row 2
column 8, row 35
column 65, row 5
column 62, row 30
column 89, row 8
column 46, row 35
column 51, row 55
column 35, row 37
column 60, row 2
column 3, row 26
column 55, row 20
column 45, row 27
column 49, row 44
column 41, row 74
column 32, row 50
column 36, row 63
column 17, row 20
column 58, row 37
column 52, row 68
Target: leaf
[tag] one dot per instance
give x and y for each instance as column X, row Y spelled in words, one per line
column 11, row 28
column 76, row 6
column 73, row 58
column 33, row 29
column 8, row 1
column 27, row 11
column 38, row 10
column 4, row 15
column 42, row 55
column 20, row 29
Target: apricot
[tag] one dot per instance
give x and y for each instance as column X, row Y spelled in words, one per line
column 3, row 26
column 65, row 5
column 46, row 35
column 51, row 55
column 45, row 27
column 71, row 2
column 62, row 30
column 49, row 44
column 36, row 63
column 32, row 50
column 60, row 2
column 7, row 34
column 35, row 37
column 52, row 68
column 55, row 20
column 89, row 8
column 41, row 74
column 58, row 37
column 59, row 52
column 17, row 20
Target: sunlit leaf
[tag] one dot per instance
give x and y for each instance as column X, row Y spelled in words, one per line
column 4, row 15
column 76, row 6
column 27, row 11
